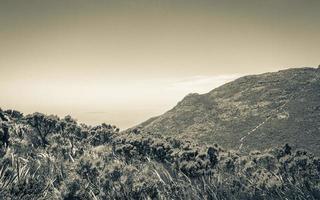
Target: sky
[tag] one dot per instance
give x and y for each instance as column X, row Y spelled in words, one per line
column 124, row 61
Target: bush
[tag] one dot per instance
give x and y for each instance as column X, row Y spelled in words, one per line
column 46, row 157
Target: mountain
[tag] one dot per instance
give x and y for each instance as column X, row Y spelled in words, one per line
column 252, row 112
column 47, row 157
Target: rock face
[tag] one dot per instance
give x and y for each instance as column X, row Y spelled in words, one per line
column 252, row 112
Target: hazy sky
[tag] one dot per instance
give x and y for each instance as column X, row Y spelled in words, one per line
column 124, row 61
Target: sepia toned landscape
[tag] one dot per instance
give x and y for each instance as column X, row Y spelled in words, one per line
column 148, row 99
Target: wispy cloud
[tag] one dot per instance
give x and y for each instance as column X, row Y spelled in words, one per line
column 201, row 84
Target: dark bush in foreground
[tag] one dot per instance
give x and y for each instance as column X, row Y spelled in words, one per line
column 45, row 157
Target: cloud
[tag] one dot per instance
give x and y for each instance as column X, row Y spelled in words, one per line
column 201, row 84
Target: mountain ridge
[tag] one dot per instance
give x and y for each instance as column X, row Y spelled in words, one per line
column 251, row 112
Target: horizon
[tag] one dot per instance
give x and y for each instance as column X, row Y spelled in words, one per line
column 197, row 84
column 124, row 62
column 175, row 90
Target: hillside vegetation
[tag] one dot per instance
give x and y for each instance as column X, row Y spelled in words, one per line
column 252, row 112
column 45, row 157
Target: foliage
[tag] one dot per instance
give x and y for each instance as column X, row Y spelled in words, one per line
column 52, row 158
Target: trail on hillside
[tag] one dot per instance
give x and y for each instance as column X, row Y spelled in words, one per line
column 274, row 112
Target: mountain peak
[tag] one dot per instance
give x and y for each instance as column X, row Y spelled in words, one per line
column 252, row 112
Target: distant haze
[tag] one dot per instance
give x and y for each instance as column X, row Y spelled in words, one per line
column 122, row 62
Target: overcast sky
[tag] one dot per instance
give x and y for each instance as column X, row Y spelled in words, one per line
column 124, row 61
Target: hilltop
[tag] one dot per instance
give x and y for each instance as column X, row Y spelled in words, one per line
column 252, row 112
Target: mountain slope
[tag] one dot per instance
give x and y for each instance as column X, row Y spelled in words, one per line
column 252, row 112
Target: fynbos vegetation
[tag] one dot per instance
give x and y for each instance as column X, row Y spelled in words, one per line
column 250, row 113
column 45, row 157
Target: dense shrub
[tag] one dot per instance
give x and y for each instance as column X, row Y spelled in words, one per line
column 45, row 157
